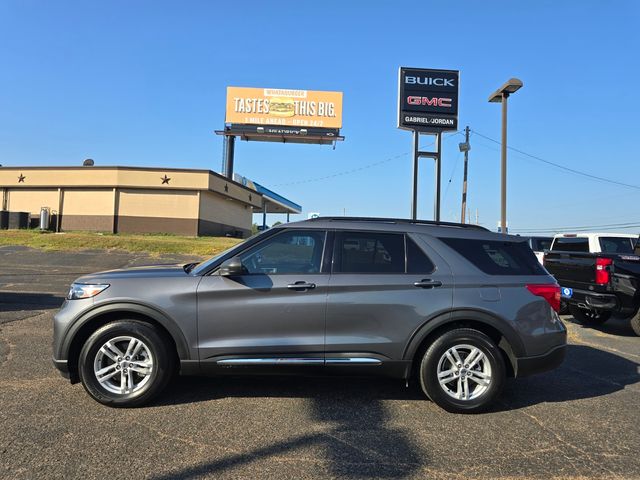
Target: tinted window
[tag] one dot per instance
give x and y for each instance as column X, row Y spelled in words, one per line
column 616, row 245
column 417, row 261
column 497, row 257
column 571, row 244
column 288, row 252
column 364, row 252
column 540, row 244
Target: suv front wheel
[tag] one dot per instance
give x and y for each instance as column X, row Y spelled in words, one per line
column 462, row 371
column 125, row 363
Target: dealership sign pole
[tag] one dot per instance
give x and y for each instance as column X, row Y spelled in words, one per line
column 427, row 104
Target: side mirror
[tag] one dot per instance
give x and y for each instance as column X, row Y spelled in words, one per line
column 231, row 267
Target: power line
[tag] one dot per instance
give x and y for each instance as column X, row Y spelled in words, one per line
column 354, row 170
column 581, row 228
column 561, row 167
column 345, row 172
column 575, row 230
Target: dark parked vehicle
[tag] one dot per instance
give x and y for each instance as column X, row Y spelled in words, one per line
column 454, row 306
column 539, row 245
column 597, row 285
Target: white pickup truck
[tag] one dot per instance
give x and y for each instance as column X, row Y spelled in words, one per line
column 594, row 242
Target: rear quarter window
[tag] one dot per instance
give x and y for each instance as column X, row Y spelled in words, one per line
column 498, row 257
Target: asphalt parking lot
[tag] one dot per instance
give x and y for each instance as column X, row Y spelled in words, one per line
column 580, row 421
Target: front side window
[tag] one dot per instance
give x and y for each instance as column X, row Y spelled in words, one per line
column 369, row 252
column 290, row 252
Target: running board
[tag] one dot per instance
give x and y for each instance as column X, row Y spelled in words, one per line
column 271, row 361
column 301, row 361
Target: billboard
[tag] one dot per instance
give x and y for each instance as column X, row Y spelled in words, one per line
column 428, row 99
column 284, row 107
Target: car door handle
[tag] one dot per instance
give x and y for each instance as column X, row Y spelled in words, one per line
column 301, row 286
column 427, row 283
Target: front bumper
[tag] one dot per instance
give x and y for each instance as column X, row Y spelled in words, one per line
column 526, row 366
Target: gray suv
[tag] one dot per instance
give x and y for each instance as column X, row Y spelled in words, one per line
column 454, row 306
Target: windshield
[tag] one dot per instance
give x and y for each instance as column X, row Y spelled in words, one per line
column 616, row 244
column 202, row 267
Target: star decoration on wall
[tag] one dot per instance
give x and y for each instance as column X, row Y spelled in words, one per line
column 165, row 180
column 226, row 187
column 21, row 178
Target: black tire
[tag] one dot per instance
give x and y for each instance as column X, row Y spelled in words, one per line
column 428, row 372
column 635, row 323
column 589, row 317
column 155, row 347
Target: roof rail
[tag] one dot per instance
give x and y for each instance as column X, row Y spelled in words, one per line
column 399, row 220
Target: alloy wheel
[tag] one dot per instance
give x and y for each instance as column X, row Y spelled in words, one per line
column 464, row 372
column 123, row 365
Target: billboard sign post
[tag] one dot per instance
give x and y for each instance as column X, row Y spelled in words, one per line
column 427, row 104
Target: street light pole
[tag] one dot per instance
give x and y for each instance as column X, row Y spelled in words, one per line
column 500, row 96
column 503, row 167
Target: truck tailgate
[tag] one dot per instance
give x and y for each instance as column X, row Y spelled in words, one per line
column 571, row 269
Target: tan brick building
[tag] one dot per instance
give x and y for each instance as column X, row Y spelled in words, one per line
column 136, row 199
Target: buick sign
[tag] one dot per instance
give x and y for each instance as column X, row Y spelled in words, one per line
column 428, row 99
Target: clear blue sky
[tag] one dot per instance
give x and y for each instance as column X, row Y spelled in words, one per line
column 143, row 83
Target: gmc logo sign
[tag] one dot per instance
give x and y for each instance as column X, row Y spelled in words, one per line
column 433, row 101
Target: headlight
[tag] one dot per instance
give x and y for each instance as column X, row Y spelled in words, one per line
column 83, row 290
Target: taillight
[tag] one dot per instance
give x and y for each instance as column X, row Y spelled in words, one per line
column 602, row 270
column 550, row 292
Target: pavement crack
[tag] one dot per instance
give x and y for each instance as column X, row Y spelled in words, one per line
column 560, row 439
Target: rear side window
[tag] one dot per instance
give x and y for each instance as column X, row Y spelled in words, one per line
column 417, row 260
column 497, row 257
column 571, row 244
column 368, row 252
column 616, row 244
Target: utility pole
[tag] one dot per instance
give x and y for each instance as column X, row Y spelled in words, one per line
column 465, row 147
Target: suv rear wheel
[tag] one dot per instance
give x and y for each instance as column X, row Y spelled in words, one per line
column 462, row 371
column 125, row 363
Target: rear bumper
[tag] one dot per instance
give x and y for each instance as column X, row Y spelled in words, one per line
column 541, row 363
column 596, row 301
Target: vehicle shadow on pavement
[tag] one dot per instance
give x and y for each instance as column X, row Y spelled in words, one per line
column 18, row 301
column 348, row 423
column 618, row 326
column 586, row 373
